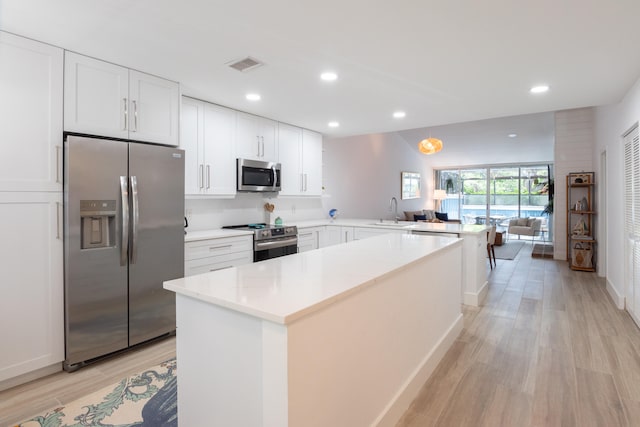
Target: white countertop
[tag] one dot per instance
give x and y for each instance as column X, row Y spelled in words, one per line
column 443, row 227
column 436, row 227
column 193, row 236
column 284, row 289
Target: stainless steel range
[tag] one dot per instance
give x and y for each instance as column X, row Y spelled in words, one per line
column 271, row 241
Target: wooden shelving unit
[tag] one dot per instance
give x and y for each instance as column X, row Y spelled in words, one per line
column 581, row 243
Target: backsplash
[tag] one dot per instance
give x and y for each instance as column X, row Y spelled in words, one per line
column 246, row 208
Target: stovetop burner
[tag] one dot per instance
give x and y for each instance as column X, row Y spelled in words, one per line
column 264, row 231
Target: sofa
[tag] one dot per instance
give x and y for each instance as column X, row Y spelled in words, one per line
column 525, row 227
column 428, row 215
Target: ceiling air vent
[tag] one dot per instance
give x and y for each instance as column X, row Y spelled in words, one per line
column 246, row 64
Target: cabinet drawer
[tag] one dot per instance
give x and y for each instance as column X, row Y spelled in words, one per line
column 218, row 262
column 222, row 246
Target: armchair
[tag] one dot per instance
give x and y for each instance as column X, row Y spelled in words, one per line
column 524, row 227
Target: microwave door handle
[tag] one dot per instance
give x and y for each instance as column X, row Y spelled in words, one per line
column 124, row 242
column 275, row 177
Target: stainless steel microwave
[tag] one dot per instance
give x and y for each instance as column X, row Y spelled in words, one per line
column 258, row 176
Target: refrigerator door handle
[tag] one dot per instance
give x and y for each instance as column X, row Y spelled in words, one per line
column 134, row 220
column 124, row 199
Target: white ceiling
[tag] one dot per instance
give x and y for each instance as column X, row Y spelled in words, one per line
column 440, row 61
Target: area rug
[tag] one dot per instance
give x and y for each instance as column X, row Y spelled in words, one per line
column 542, row 251
column 146, row 399
column 508, row 250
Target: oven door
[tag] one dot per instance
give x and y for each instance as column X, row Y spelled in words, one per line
column 273, row 248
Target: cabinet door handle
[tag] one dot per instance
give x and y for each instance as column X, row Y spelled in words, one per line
column 301, row 182
column 58, row 220
column 305, row 182
column 258, row 140
column 208, row 177
column 125, row 113
column 57, row 164
column 262, row 140
column 201, row 177
column 211, row 248
column 135, row 116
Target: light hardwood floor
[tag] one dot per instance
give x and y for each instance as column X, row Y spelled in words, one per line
column 548, row 347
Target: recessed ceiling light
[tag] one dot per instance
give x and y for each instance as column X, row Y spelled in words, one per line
column 333, row 124
column 539, row 89
column 253, row 97
column 328, row 76
column 512, row 135
column 399, row 114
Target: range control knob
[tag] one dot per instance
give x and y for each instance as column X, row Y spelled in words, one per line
column 265, row 233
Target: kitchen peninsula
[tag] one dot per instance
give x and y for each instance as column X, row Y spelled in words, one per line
column 342, row 336
column 474, row 253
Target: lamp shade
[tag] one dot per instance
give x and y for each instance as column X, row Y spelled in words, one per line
column 430, row 145
column 439, row 194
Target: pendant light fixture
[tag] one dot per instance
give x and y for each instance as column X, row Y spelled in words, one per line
column 430, row 145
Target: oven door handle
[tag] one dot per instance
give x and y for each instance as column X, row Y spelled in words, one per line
column 273, row 244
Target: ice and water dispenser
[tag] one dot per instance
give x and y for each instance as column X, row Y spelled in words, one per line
column 98, row 223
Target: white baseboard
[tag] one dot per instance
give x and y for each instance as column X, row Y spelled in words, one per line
column 476, row 298
column 401, row 401
column 30, row 376
column 617, row 298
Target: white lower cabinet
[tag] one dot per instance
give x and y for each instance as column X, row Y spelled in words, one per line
column 203, row 256
column 32, row 285
column 310, row 238
column 336, row 234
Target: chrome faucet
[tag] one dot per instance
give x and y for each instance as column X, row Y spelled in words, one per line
column 395, row 210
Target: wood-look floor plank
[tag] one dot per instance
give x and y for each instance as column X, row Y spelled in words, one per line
column 555, row 394
column 471, row 397
column 625, row 361
column 507, row 408
column 533, row 289
column 598, row 400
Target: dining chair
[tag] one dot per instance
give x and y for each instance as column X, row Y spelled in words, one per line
column 491, row 240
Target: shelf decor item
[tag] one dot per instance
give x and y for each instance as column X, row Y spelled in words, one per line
column 582, row 255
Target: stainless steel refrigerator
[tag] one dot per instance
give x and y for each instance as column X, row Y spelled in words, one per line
column 124, row 236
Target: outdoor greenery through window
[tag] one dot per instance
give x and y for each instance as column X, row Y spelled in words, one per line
column 482, row 195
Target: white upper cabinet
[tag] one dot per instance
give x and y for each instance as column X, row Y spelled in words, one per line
column 208, row 138
column 312, row 162
column 256, row 138
column 192, row 142
column 290, row 148
column 220, row 149
column 108, row 100
column 31, row 76
column 301, row 158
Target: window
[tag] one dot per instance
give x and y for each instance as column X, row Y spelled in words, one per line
column 494, row 195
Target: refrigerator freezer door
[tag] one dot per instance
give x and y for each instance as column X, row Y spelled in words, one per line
column 157, row 240
column 95, row 281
